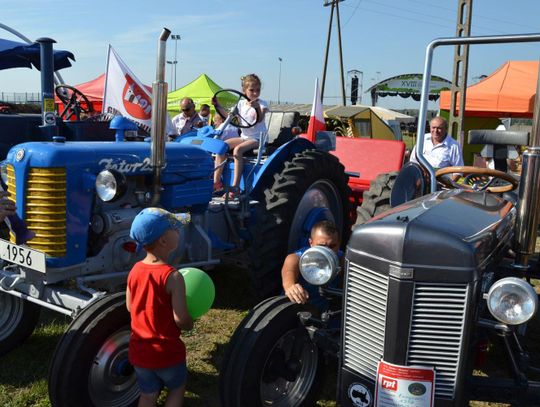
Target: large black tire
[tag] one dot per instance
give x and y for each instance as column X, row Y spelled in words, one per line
column 376, row 199
column 18, row 319
column 310, row 179
column 90, row 364
column 249, row 377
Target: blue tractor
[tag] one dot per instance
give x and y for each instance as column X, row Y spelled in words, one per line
column 79, row 199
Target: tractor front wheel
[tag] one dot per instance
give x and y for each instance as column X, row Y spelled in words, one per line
column 18, row 319
column 261, row 367
column 90, row 365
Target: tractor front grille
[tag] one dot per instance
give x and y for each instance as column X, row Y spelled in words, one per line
column 45, row 208
column 436, row 331
column 365, row 319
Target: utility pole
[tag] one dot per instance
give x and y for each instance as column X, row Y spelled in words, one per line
column 460, row 72
column 334, row 5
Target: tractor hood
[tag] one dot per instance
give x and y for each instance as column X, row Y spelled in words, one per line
column 453, row 233
column 130, row 158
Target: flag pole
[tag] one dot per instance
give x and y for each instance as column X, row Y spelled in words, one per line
column 106, row 79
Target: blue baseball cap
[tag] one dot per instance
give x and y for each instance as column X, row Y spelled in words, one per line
column 150, row 224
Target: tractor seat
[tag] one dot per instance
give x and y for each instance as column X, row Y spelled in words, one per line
column 499, row 145
column 279, row 125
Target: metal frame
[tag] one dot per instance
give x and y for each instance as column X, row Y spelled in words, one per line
column 493, row 39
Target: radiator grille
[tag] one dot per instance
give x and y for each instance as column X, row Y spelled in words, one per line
column 45, row 208
column 365, row 318
column 436, row 331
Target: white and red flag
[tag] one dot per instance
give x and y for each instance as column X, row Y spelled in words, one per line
column 316, row 120
column 125, row 94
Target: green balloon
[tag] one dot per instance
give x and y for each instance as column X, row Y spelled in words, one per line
column 200, row 291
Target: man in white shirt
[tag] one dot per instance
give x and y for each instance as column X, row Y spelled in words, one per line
column 188, row 120
column 440, row 149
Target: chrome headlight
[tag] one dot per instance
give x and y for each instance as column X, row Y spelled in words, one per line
column 319, row 265
column 512, row 301
column 110, row 185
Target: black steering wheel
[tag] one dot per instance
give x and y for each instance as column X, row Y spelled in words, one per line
column 228, row 101
column 484, row 182
column 75, row 102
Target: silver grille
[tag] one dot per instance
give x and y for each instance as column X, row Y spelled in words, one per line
column 436, row 331
column 365, row 318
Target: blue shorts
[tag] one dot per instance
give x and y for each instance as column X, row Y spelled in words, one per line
column 153, row 380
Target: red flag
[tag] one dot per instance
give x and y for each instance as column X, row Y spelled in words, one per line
column 316, row 120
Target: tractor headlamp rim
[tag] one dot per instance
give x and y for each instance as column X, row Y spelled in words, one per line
column 512, row 301
column 110, row 185
column 319, row 265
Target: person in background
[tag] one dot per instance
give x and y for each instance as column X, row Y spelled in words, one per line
column 156, row 300
column 323, row 233
column 227, row 132
column 188, row 119
column 440, row 149
column 204, row 114
column 249, row 138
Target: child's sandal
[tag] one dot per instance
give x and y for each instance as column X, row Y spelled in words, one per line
column 231, row 194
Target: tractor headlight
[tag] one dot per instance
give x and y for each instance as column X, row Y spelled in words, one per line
column 319, row 265
column 512, row 301
column 110, row 185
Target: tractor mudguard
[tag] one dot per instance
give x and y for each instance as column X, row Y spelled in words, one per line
column 276, row 162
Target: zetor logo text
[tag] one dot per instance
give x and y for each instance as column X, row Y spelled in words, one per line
column 389, row 384
column 125, row 167
column 136, row 101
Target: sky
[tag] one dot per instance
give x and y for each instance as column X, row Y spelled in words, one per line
column 229, row 38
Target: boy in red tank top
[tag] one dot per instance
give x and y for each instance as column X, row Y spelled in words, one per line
column 156, row 300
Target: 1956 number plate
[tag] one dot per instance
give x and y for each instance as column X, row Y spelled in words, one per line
column 23, row 256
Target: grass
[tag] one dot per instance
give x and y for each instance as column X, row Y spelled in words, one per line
column 23, row 372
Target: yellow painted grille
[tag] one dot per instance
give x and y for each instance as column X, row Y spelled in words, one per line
column 45, row 208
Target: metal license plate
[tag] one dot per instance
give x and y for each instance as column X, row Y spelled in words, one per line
column 22, row 255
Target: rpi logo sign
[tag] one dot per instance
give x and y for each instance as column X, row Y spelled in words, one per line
column 389, row 384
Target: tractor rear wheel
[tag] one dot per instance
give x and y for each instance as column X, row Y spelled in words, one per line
column 18, row 318
column 312, row 183
column 376, row 199
column 90, row 365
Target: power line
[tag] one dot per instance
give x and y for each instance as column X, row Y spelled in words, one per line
column 435, row 18
column 353, row 12
column 475, row 15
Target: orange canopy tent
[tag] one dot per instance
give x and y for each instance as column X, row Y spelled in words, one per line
column 508, row 92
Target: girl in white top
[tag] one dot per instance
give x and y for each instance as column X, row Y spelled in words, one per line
column 249, row 138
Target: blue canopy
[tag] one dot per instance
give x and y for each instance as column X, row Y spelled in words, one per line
column 15, row 54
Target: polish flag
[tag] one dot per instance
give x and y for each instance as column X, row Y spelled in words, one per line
column 316, row 120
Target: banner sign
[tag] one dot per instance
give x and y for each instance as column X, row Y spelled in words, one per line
column 125, row 95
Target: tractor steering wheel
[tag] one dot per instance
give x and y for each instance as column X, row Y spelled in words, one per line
column 226, row 105
column 74, row 102
column 483, row 186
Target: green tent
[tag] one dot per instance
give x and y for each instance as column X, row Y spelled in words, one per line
column 200, row 90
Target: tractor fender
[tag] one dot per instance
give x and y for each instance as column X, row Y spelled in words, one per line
column 275, row 163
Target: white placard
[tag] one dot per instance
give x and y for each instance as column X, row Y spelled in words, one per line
column 23, row 256
column 404, row 386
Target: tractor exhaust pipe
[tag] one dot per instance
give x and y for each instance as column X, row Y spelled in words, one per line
column 159, row 111
column 529, row 193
